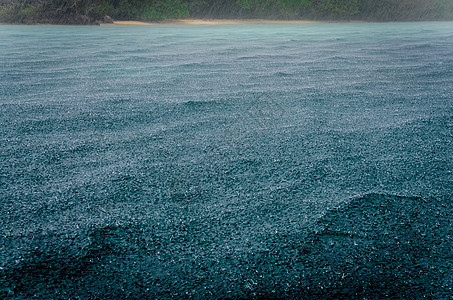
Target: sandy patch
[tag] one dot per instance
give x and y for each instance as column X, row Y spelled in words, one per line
column 213, row 22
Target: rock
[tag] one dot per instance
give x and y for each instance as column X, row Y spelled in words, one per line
column 107, row 19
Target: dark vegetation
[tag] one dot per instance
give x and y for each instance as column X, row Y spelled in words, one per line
column 94, row 11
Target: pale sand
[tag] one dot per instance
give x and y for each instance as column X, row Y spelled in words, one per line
column 213, row 22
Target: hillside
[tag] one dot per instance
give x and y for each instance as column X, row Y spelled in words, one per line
column 93, row 12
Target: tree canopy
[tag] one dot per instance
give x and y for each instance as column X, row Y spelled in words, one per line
column 92, row 11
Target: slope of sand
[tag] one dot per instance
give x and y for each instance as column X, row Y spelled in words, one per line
column 212, row 22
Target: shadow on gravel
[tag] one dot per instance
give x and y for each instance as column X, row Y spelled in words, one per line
column 374, row 247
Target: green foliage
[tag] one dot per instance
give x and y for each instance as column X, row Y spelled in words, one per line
column 340, row 8
column 274, row 8
column 88, row 11
column 25, row 13
column 103, row 9
column 169, row 9
column 255, row 5
column 288, row 5
column 126, row 9
column 30, row 11
column 291, row 8
column 5, row 13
